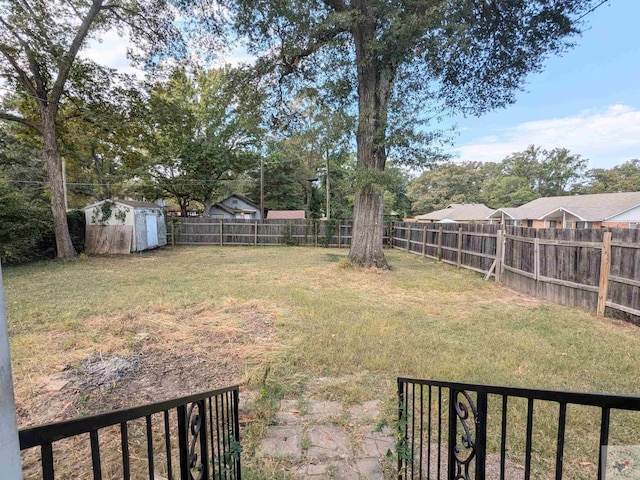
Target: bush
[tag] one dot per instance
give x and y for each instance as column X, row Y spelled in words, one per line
column 26, row 228
column 24, row 223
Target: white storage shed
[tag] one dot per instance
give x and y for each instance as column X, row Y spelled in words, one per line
column 123, row 226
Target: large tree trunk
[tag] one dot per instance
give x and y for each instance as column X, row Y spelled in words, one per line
column 373, row 98
column 206, row 202
column 64, row 246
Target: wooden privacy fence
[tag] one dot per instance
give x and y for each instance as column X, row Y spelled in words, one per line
column 212, row 231
column 598, row 270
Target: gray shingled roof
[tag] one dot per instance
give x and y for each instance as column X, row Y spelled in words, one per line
column 459, row 212
column 596, row 207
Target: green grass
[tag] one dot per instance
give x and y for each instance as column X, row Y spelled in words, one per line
column 360, row 328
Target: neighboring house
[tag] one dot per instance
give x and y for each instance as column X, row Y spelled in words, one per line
column 132, row 225
column 578, row 211
column 286, row 215
column 459, row 213
column 235, row 206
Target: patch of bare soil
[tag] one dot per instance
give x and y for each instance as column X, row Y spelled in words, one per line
column 148, row 356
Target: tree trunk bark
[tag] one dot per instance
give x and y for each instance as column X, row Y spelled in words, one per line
column 64, row 246
column 373, row 97
column 206, row 202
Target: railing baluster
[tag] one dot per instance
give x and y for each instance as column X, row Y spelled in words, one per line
column 413, row 428
column 439, row 429
column 95, row 455
column 429, row 444
column 503, row 439
column 236, row 425
column 421, row 429
column 481, row 436
column 167, row 443
column 124, row 440
column 527, row 460
column 562, row 420
column 223, row 467
column 401, row 408
column 150, row 447
column 183, row 442
column 604, row 439
column 220, row 473
column 204, row 453
column 451, row 444
column 405, row 451
column 213, row 448
column 229, row 437
column 46, row 453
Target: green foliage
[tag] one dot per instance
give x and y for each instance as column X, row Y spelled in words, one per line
column 519, row 178
column 621, row 178
column 23, row 225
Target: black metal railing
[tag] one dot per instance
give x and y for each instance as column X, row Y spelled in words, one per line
column 204, row 428
column 454, row 431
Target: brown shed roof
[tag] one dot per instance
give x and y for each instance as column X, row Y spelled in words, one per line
column 286, row 215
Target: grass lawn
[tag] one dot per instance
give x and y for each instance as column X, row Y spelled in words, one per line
column 280, row 319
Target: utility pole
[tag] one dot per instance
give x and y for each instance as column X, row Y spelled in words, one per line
column 261, row 188
column 10, row 462
column 327, row 182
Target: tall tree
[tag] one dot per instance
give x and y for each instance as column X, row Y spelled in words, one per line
column 202, row 130
column 621, row 178
column 445, row 184
column 467, row 55
column 39, row 45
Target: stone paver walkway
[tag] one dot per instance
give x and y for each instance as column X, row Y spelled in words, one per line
column 322, row 440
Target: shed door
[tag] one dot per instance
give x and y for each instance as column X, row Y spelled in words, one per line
column 152, row 231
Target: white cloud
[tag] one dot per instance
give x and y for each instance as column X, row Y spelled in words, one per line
column 606, row 138
column 111, row 51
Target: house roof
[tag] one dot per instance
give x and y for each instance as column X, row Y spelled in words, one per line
column 243, row 198
column 129, row 203
column 596, row 207
column 459, row 211
column 286, row 215
column 508, row 211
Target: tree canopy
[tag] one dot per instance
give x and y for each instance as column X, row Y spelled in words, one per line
column 464, row 56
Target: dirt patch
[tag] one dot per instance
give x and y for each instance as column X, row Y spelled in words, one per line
column 148, row 356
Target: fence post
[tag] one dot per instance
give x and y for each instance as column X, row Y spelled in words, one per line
column 459, row 246
column 339, row 233
column 221, row 236
column 409, row 239
column 499, row 247
column 255, row 234
column 605, row 267
column 536, row 258
column 315, row 231
column 424, row 240
column 440, row 244
column 173, row 233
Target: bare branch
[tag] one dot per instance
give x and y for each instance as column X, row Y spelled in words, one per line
column 24, row 78
column 15, row 118
column 70, row 56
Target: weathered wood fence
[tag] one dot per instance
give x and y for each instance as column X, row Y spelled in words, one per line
column 212, row 231
column 598, row 270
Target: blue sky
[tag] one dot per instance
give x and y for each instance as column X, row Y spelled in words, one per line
column 587, row 100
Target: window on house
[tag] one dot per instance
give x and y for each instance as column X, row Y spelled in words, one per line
column 584, row 224
column 529, row 223
column 553, row 223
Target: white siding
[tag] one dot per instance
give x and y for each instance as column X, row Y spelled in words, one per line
column 632, row 215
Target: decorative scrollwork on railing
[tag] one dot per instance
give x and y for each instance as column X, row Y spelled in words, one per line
column 194, row 422
column 464, row 407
